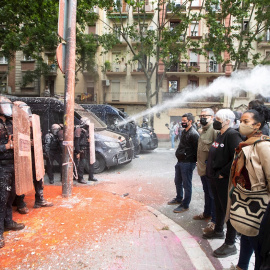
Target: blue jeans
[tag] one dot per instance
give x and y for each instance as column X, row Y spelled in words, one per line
column 247, row 246
column 209, row 203
column 172, row 140
column 183, row 181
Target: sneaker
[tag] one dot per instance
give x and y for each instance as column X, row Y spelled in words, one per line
column 210, row 227
column 2, row 241
column 174, row 201
column 23, row 210
column 14, row 226
column 43, row 204
column 201, row 217
column 180, row 209
column 225, row 251
column 213, row 235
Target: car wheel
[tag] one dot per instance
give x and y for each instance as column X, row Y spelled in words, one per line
column 100, row 164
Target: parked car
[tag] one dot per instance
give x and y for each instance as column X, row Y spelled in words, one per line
column 147, row 139
column 111, row 148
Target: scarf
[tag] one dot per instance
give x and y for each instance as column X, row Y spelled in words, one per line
column 239, row 158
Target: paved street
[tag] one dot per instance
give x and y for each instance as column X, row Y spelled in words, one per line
column 150, row 179
column 122, row 222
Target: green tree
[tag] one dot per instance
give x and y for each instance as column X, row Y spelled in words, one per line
column 237, row 27
column 151, row 47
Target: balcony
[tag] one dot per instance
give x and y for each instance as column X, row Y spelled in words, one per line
column 210, row 99
column 191, row 67
column 146, row 12
column 264, row 41
column 127, row 97
column 119, row 12
column 173, row 10
column 117, row 70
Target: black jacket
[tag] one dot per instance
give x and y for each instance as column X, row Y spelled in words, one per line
column 187, row 148
column 221, row 154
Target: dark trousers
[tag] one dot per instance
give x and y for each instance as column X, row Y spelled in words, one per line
column 82, row 164
column 7, row 194
column 209, row 203
column 220, row 193
column 259, row 244
column 183, row 181
column 49, row 163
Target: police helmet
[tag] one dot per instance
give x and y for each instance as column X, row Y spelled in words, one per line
column 23, row 106
column 55, row 128
column 84, row 121
column 5, row 106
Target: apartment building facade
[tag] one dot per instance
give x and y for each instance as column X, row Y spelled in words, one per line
column 120, row 82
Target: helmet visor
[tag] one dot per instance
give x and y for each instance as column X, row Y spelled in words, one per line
column 6, row 108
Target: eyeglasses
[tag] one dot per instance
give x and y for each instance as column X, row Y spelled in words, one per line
column 202, row 116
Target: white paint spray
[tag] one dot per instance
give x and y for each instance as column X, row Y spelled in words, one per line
column 256, row 81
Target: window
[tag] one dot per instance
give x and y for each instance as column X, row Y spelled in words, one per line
column 267, row 36
column 173, row 86
column 194, row 29
column 27, row 58
column 117, row 5
column 242, row 94
column 115, row 90
column 193, row 81
column 117, row 32
column 3, row 60
column 213, row 67
column 195, row 3
column 193, row 59
column 215, row 7
column 142, row 91
column 144, row 60
column 245, row 25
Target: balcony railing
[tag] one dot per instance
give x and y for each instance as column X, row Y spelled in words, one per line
column 127, row 97
column 171, row 7
column 211, row 67
column 216, row 99
column 117, row 68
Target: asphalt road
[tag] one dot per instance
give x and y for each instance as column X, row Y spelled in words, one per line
column 150, row 179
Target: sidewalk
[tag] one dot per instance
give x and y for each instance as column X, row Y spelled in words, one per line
column 95, row 229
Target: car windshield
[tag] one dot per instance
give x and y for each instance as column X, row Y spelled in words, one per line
column 99, row 124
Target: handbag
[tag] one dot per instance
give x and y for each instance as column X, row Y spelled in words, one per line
column 247, row 209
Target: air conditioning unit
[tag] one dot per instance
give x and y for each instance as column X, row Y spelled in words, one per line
column 106, row 82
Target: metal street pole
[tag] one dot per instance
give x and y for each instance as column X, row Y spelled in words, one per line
column 67, row 166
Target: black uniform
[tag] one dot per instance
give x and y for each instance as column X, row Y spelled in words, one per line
column 7, row 176
column 81, row 144
column 133, row 136
column 53, row 151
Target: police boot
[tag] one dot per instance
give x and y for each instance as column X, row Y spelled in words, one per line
column 82, row 181
column 14, row 226
column 2, row 241
column 43, row 203
column 92, row 179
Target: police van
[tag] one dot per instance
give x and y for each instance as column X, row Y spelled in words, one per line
column 147, row 138
column 111, row 148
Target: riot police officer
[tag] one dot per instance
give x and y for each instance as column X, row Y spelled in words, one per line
column 53, row 150
column 38, row 183
column 7, row 174
column 82, row 150
column 134, row 137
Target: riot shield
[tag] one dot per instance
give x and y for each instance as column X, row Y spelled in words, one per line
column 22, row 151
column 38, row 150
column 92, row 143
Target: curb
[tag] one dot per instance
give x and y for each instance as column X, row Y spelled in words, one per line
column 191, row 246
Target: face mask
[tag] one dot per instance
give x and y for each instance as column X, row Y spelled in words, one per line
column 204, row 121
column 246, row 129
column 184, row 125
column 217, row 125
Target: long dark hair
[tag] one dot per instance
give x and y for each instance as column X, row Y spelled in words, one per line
column 261, row 114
